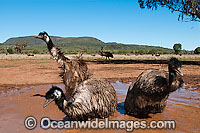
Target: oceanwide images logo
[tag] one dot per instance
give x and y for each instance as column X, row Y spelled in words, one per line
column 45, row 123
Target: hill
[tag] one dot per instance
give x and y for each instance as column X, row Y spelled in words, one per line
column 88, row 44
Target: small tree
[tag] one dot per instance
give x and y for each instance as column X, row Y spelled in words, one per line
column 141, row 52
column 10, row 51
column 197, row 50
column 152, row 51
column 20, row 45
column 177, row 48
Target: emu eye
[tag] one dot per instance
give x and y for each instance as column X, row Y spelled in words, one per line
column 52, row 96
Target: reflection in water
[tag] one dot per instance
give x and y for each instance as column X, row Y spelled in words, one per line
column 120, row 108
column 121, row 90
column 187, row 97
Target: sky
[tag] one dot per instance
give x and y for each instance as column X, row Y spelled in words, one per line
column 121, row 21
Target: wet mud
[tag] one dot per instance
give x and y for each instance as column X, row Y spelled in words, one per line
column 16, row 104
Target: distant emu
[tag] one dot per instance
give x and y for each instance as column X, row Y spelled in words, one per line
column 30, row 54
column 106, row 54
column 158, row 54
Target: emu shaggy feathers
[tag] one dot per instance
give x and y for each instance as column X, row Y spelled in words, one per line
column 150, row 91
column 93, row 98
column 87, row 97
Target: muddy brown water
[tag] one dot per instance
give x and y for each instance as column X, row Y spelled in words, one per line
column 183, row 107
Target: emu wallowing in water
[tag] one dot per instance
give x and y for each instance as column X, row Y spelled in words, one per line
column 106, row 54
column 152, row 87
column 87, row 97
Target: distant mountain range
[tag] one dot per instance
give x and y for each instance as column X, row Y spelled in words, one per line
column 79, row 43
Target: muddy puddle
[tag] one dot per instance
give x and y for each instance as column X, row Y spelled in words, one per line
column 183, row 107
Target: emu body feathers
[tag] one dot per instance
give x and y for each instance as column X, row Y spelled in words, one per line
column 87, row 97
column 93, row 98
column 152, row 87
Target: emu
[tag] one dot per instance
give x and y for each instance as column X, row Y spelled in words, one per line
column 30, row 54
column 106, row 54
column 158, row 54
column 152, row 87
column 87, row 97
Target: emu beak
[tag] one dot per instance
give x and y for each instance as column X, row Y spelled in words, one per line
column 178, row 70
column 48, row 101
column 39, row 37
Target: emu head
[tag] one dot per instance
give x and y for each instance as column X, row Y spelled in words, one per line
column 44, row 36
column 174, row 66
column 54, row 94
column 101, row 51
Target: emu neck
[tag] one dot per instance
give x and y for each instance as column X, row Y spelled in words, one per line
column 172, row 76
column 60, row 103
column 55, row 52
column 50, row 44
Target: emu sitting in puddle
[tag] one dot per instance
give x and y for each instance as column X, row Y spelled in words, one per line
column 152, row 87
column 87, row 97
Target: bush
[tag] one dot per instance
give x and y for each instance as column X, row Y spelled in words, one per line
column 197, row 50
column 177, row 48
column 35, row 51
column 141, row 51
column 10, row 51
column 122, row 52
column 152, row 51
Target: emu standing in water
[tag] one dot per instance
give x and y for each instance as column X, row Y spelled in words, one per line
column 87, row 97
column 152, row 87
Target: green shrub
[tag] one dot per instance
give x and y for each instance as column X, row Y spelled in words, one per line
column 197, row 50
column 10, row 51
column 177, row 48
column 35, row 51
